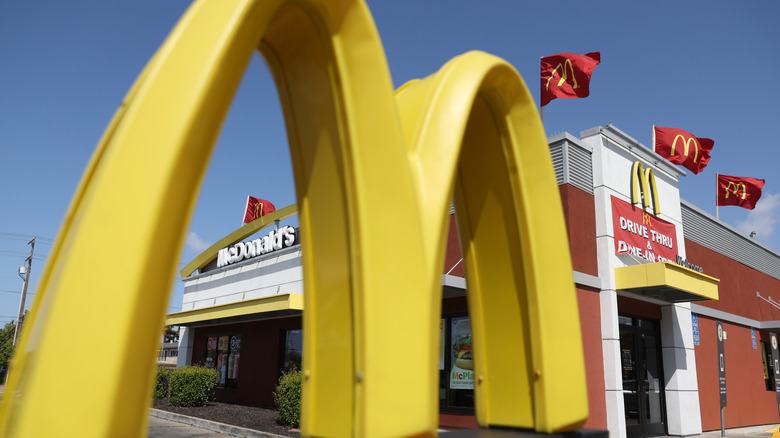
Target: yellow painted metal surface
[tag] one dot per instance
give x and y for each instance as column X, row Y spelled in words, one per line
column 273, row 303
column 666, row 274
column 473, row 127
column 470, row 131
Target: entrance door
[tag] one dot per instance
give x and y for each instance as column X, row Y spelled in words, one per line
column 643, row 392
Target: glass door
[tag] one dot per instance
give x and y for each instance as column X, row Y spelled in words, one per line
column 643, row 395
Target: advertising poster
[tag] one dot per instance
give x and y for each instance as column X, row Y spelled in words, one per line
column 642, row 234
column 233, row 361
column 462, row 372
column 211, row 352
column 222, row 358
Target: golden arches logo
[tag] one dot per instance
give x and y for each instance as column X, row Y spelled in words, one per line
column 564, row 75
column 733, row 187
column 343, row 123
column 647, row 220
column 687, row 145
column 258, row 210
column 643, row 187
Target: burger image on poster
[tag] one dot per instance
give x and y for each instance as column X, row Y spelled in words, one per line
column 462, row 352
column 462, row 374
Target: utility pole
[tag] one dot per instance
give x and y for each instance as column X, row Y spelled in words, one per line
column 24, row 291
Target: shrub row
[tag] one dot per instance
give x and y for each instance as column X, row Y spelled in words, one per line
column 194, row 386
column 287, row 398
column 186, row 386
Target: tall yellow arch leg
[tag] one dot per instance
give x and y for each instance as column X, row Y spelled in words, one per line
column 474, row 126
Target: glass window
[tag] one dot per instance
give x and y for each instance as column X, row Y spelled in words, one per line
column 223, row 353
column 292, row 352
column 456, row 382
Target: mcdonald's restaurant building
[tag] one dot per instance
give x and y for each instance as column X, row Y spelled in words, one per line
column 653, row 283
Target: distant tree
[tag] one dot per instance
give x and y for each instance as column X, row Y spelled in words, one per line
column 171, row 334
column 7, row 342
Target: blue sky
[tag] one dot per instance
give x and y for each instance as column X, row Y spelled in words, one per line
column 707, row 67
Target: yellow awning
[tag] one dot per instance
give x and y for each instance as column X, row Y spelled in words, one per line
column 667, row 282
column 247, row 310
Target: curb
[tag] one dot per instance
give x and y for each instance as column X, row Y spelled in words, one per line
column 211, row 425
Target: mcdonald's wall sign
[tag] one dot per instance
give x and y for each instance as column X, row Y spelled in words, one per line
column 349, row 133
column 641, row 234
column 638, row 232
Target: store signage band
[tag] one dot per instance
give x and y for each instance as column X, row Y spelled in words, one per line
column 685, row 263
column 275, row 240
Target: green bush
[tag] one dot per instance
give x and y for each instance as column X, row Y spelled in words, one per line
column 288, row 398
column 161, row 383
column 192, row 386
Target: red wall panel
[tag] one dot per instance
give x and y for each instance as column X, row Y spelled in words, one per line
column 590, row 326
column 748, row 401
column 579, row 211
column 260, row 356
column 738, row 284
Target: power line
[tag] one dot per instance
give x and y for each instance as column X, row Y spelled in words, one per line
column 8, row 253
column 14, row 236
column 13, row 292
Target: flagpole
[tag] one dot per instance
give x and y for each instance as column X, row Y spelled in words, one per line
column 541, row 105
column 717, row 187
column 245, row 207
column 654, row 139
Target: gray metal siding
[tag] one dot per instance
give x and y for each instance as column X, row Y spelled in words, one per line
column 580, row 169
column 705, row 230
column 556, row 153
column 573, row 165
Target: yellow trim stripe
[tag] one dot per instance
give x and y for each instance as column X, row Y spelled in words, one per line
column 273, row 303
column 666, row 274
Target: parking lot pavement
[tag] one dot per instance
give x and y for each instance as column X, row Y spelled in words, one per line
column 161, row 428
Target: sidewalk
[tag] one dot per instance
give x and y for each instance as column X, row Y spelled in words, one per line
column 162, row 427
column 169, row 425
column 766, row 431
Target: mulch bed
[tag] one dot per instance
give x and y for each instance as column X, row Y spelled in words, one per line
column 250, row 417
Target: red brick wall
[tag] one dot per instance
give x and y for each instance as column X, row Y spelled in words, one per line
column 590, row 326
column 260, row 357
column 748, row 401
column 738, row 284
column 579, row 211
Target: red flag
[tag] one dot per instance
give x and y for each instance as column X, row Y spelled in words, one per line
column 256, row 208
column 741, row 191
column 681, row 147
column 567, row 75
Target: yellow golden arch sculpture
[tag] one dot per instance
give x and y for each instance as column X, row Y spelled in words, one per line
column 470, row 131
